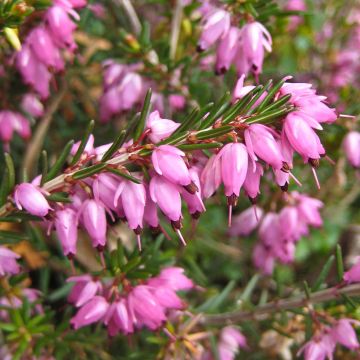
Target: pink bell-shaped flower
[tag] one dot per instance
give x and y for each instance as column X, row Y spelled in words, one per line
column 44, row 48
column 29, row 197
column 168, row 161
column 167, row 196
column 8, row 264
column 226, row 50
column 211, row 176
column 93, row 311
column 260, row 141
column 133, row 199
column 302, row 137
column 231, row 340
column 215, row 25
column 344, row 333
column 84, row 290
column 194, row 201
column 252, row 181
column 94, row 221
column 175, row 278
column 66, row 223
column 234, row 164
column 353, row 274
column 246, row 222
column 145, row 307
column 32, row 105
column 351, row 146
column 318, row 348
column 159, row 128
column 254, row 39
column 33, row 71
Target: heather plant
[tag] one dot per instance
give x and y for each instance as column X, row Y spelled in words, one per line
column 180, row 179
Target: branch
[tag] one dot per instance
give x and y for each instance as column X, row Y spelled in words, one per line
column 35, row 146
column 285, row 304
column 131, row 13
column 175, row 28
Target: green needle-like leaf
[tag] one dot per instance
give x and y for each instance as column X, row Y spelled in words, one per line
column 55, row 169
column 143, row 115
column 83, row 143
column 115, row 146
column 324, row 273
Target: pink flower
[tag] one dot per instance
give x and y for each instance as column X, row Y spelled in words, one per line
column 94, row 220
column 105, row 186
column 177, row 102
column 289, row 223
column 41, row 43
column 344, row 333
column 260, row 141
column 11, row 121
column 84, row 290
column 234, row 164
column 254, row 39
column 252, row 181
column 295, row 20
column 168, row 162
column 231, row 340
column 33, row 71
column 145, row 307
column 194, row 201
column 263, row 258
column 150, row 212
column 226, row 50
column 269, row 230
column 240, row 90
column 211, row 176
column 32, row 105
column 215, row 25
column 93, row 311
column 89, row 147
column 120, row 316
column 174, row 278
column 319, row 348
column 133, row 199
column 308, row 209
column 160, row 129
column 302, row 137
column 62, row 27
column 8, row 264
column 353, row 274
column 66, row 223
column 246, row 222
column 30, row 198
column 167, row 196
column 351, row 146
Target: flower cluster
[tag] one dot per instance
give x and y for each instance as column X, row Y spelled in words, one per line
column 146, row 304
column 173, row 175
column 41, row 52
column 278, row 232
column 323, row 343
column 124, row 88
column 244, row 47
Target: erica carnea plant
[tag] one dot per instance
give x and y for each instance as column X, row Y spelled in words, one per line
column 179, row 179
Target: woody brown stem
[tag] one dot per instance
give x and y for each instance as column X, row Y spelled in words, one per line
column 263, row 311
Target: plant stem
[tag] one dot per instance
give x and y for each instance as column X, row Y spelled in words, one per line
column 35, row 146
column 175, row 28
column 263, row 311
column 131, row 13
